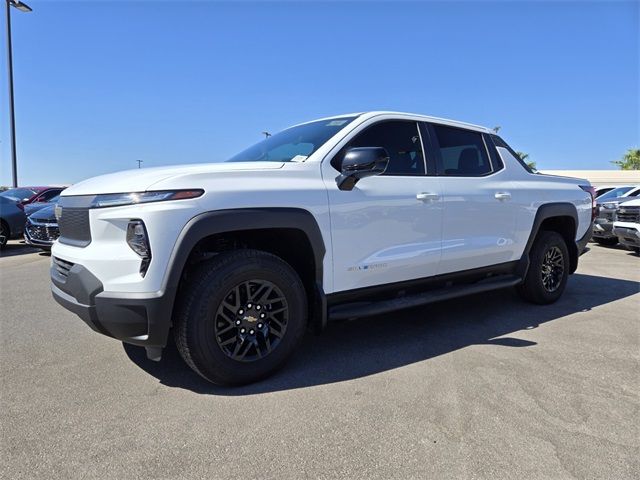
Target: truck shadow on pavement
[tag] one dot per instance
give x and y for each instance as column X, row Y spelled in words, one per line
column 350, row 350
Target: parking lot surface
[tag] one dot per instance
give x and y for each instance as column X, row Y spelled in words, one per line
column 482, row 387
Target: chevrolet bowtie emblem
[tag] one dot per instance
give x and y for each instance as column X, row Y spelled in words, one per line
column 251, row 319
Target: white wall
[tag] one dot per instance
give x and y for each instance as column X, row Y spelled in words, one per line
column 601, row 177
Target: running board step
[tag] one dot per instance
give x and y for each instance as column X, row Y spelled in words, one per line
column 365, row 309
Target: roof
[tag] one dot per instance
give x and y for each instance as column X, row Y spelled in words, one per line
column 414, row 116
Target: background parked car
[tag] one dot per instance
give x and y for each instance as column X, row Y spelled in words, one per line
column 28, row 195
column 12, row 220
column 606, row 212
column 32, row 208
column 627, row 225
column 42, row 229
column 601, row 190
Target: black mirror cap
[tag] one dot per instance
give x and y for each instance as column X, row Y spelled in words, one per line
column 361, row 162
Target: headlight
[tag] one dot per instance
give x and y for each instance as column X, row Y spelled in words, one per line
column 138, row 240
column 119, row 199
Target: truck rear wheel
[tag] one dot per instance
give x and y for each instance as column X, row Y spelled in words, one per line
column 548, row 271
column 240, row 317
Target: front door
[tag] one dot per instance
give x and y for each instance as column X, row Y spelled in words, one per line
column 387, row 229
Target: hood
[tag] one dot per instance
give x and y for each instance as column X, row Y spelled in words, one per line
column 139, row 180
column 31, row 208
column 45, row 215
column 632, row 203
column 614, row 202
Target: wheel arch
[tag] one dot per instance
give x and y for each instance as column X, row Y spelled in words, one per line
column 237, row 223
column 560, row 217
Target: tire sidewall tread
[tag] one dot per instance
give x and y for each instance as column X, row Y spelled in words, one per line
column 531, row 288
column 200, row 298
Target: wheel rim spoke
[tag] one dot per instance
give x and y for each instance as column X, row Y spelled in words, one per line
column 552, row 270
column 251, row 320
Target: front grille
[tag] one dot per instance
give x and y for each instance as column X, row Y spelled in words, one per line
column 629, row 214
column 42, row 233
column 74, row 226
column 62, row 266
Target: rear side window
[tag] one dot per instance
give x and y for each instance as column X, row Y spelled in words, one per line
column 399, row 138
column 462, row 152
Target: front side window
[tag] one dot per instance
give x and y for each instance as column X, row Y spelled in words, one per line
column 400, row 139
column 462, row 152
column 294, row 144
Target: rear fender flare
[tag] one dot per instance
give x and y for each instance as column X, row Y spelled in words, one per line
column 545, row 212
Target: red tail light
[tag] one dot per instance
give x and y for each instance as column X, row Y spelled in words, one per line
column 594, row 205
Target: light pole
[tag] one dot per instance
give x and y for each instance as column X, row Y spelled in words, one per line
column 23, row 7
column 139, row 162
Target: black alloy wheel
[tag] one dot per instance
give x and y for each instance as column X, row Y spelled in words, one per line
column 4, row 234
column 251, row 320
column 239, row 316
column 552, row 269
column 548, row 271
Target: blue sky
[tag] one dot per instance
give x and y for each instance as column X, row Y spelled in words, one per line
column 101, row 84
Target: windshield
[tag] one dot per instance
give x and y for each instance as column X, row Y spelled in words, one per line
column 615, row 193
column 18, row 193
column 294, row 144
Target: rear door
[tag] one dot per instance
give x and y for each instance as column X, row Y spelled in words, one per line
column 387, row 229
column 479, row 220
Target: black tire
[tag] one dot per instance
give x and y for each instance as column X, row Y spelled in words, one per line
column 206, row 323
column 607, row 242
column 544, row 282
column 4, row 233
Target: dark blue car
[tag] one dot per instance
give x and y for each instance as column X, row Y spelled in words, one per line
column 12, row 220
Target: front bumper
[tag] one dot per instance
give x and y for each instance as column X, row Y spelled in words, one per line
column 603, row 228
column 627, row 235
column 139, row 319
column 41, row 236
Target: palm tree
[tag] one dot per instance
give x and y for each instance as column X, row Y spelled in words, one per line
column 523, row 156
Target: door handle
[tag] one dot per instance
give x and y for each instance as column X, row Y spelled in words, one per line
column 427, row 196
column 502, row 196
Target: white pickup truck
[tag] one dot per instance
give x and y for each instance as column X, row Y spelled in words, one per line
column 337, row 218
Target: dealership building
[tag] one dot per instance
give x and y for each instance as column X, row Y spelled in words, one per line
column 601, row 177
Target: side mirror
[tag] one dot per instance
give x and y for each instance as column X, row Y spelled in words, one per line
column 361, row 162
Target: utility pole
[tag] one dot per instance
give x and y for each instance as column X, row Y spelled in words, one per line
column 23, row 7
column 139, row 162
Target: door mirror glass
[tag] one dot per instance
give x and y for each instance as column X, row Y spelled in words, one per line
column 361, row 162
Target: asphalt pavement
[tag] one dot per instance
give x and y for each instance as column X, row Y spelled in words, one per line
column 485, row 387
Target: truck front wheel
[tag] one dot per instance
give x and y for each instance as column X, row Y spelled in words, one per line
column 240, row 316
